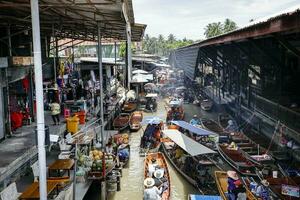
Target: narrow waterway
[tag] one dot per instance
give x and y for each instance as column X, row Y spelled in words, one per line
column 132, row 180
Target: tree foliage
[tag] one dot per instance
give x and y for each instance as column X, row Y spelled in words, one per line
column 161, row 46
column 218, row 28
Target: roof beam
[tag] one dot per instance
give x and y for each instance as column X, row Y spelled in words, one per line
column 287, row 45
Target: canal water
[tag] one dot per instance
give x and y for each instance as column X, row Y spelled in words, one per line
column 133, row 176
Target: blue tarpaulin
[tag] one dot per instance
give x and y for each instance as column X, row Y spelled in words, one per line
column 193, row 129
column 203, row 197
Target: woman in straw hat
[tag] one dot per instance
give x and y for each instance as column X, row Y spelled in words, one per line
column 151, row 192
column 262, row 190
column 235, row 187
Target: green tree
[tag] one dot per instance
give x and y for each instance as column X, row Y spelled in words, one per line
column 171, row 38
column 229, row 25
column 213, row 29
column 218, row 28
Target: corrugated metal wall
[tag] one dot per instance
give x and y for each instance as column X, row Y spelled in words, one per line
column 185, row 59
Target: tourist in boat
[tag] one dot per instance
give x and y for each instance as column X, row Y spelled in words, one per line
column 195, row 120
column 152, row 167
column 151, row 192
column 235, row 187
column 262, row 190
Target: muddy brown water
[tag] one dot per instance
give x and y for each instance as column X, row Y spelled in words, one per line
column 133, row 176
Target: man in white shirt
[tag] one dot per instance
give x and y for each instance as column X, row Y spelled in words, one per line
column 151, row 192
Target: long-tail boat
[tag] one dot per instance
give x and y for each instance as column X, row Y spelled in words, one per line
column 194, row 153
column 150, row 141
column 176, row 111
column 129, row 106
column 211, row 125
column 221, row 181
column 135, row 120
column 158, row 161
column 237, row 159
column 285, row 188
column 121, row 122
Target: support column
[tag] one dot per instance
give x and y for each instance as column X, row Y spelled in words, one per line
column 103, row 183
column 54, row 53
column 39, row 97
column 7, row 83
column 115, row 70
column 128, row 36
column 9, row 41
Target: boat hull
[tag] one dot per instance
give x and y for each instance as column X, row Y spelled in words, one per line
column 161, row 161
column 135, row 120
column 121, row 122
column 221, row 181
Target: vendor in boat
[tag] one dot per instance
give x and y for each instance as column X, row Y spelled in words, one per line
column 151, row 192
column 235, row 187
column 123, row 152
column 262, row 191
column 195, row 120
column 232, row 146
column 231, row 127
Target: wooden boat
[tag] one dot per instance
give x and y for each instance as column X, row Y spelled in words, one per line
column 135, row 120
column 211, row 125
column 277, row 186
column 201, row 164
column 162, row 164
column 129, row 106
column 237, row 160
column 223, row 120
column 150, row 141
column 167, row 153
column 206, row 104
column 121, row 122
column 176, row 111
column 221, row 181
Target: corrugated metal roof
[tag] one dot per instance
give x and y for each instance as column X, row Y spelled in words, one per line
column 74, row 18
column 286, row 20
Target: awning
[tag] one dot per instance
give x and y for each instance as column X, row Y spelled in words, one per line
column 203, row 197
column 139, row 71
column 193, row 129
column 151, row 120
column 189, row 145
column 142, row 78
column 151, row 95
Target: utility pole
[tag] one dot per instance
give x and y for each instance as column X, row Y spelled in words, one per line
column 39, row 97
column 103, row 183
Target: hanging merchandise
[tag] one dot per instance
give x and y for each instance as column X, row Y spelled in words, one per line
column 25, row 83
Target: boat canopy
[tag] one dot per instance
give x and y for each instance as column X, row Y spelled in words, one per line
column 203, row 197
column 151, row 120
column 151, row 95
column 193, row 129
column 189, row 145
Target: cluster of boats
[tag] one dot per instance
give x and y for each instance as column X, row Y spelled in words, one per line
column 202, row 155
